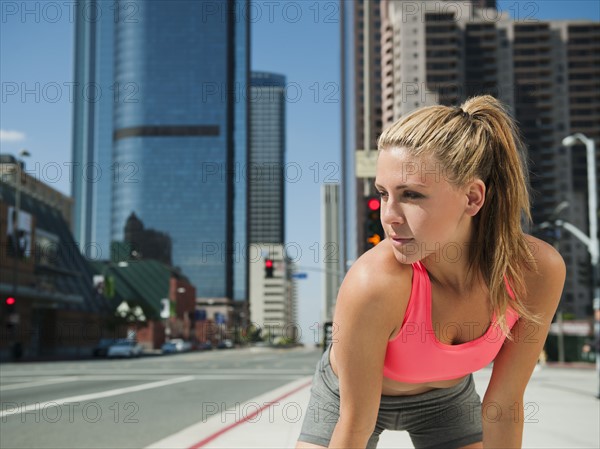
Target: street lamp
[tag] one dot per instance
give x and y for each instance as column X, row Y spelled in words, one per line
column 590, row 241
column 16, row 345
column 18, row 175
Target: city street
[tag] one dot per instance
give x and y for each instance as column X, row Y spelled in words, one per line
column 239, row 398
column 133, row 403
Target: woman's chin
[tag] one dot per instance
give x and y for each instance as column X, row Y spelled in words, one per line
column 407, row 257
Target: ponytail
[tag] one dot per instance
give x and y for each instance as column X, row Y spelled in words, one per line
column 501, row 250
column 480, row 140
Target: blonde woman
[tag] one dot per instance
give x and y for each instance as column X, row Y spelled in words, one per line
column 456, row 285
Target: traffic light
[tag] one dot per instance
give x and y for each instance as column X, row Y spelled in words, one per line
column 11, row 304
column 373, row 229
column 268, row 268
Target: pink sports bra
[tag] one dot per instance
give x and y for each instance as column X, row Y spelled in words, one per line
column 416, row 356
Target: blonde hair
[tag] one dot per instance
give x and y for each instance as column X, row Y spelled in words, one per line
column 480, row 140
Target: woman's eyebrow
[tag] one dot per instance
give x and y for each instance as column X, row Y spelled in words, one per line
column 402, row 186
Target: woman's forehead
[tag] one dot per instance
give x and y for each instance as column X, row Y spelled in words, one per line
column 400, row 165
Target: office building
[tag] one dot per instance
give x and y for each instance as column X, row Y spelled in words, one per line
column 175, row 133
column 272, row 300
column 94, row 97
column 265, row 170
column 332, row 264
column 546, row 72
column 360, row 96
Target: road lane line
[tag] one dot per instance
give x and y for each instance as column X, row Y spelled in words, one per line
column 214, row 426
column 217, row 434
column 97, row 395
column 38, row 383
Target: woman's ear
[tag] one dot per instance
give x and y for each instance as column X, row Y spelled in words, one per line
column 475, row 197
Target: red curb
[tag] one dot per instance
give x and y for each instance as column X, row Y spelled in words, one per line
column 217, row 434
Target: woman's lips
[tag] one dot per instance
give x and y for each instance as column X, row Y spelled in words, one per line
column 398, row 241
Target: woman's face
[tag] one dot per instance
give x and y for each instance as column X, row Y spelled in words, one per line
column 422, row 213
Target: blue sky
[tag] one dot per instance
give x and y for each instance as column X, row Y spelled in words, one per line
column 299, row 39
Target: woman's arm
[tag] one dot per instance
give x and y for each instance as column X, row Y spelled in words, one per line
column 503, row 408
column 365, row 320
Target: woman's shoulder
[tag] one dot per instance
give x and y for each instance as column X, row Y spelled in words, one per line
column 375, row 292
column 547, row 258
column 377, row 273
column 550, row 268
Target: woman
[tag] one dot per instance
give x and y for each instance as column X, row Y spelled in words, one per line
column 454, row 286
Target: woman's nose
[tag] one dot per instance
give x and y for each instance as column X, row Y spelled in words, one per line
column 391, row 213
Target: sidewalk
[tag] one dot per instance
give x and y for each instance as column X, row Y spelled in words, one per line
column 561, row 411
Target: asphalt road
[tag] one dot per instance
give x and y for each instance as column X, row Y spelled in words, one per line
column 133, row 403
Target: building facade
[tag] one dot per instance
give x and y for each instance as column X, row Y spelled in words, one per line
column 546, row 72
column 272, row 300
column 178, row 134
column 361, row 89
column 273, row 307
column 94, row 97
column 48, row 307
column 332, row 263
column 264, row 172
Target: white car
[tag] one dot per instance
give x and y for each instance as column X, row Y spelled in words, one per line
column 125, row 348
column 176, row 345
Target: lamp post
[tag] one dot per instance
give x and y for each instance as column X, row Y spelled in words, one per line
column 18, row 175
column 590, row 241
column 16, row 345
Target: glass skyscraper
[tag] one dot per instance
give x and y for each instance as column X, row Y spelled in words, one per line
column 93, row 96
column 266, row 185
column 179, row 136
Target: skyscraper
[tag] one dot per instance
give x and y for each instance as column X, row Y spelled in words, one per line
column 266, row 187
column 93, row 100
column 543, row 70
column 272, row 297
column 179, row 133
column 361, row 91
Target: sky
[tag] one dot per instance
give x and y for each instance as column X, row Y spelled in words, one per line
column 298, row 39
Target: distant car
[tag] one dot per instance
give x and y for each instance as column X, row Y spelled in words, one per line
column 176, row 345
column 101, row 349
column 225, row 344
column 125, row 348
column 205, row 346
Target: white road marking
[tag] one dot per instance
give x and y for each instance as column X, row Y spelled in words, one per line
column 97, row 395
column 19, row 385
column 269, row 426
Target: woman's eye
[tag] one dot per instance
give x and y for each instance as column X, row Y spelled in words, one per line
column 412, row 195
column 381, row 194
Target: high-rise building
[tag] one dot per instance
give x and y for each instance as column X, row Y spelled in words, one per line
column 272, row 299
column 330, row 231
column 436, row 55
column 547, row 74
column 272, row 291
column 264, row 172
column 361, row 89
column 94, row 96
column 178, row 133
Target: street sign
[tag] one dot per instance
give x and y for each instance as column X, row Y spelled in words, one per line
column 300, row 275
column 165, row 310
column 365, row 164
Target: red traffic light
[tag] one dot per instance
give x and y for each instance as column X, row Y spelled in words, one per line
column 10, row 301
column 268, row 263
column 373, row 204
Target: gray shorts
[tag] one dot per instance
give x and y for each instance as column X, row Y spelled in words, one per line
column 441, row 418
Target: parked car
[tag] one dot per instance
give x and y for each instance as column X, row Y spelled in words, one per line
column 204, row 346
column 125, row 348
column 225, row 344
column 176, row 345
column 101, row 349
